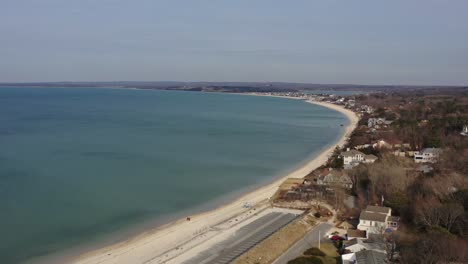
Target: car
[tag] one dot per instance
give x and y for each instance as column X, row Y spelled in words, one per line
column 336, row 238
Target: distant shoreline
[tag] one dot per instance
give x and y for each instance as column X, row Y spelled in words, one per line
column 155, row 244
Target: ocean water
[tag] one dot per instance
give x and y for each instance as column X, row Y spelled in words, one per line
column 80, row 165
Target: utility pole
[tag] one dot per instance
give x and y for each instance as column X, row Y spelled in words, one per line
column 319, row 239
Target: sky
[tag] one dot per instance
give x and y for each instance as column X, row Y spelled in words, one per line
column 347, row 42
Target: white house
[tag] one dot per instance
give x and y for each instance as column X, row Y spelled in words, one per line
column 464, row 131
column 375, row 219
column 352, row 158
column 427, row 155
column 364, row 146
column 390, row 144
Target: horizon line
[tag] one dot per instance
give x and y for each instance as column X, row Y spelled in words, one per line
column 240, row 82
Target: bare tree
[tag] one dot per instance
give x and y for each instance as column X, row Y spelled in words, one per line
column 427, row 210
column 450, row 213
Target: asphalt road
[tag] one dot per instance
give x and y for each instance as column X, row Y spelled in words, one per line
column 310, row 240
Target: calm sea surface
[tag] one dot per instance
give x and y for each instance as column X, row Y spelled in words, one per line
column 79, row 165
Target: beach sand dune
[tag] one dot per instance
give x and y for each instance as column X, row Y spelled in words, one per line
column 185, row 239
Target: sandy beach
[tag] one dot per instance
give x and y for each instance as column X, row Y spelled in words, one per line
column 183, row 239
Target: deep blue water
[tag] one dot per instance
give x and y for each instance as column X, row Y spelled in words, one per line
column 80, row 164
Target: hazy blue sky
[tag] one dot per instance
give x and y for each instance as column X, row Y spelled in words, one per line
column 371, row 42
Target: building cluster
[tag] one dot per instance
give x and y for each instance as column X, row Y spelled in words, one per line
column 427, row 155
column 378, row 122
column 352, row 158
column 397, row 148
column 388, row 144
column 369, row 243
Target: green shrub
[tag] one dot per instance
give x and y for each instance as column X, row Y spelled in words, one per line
column 314, row 252
column 306, row 260
column 315, row 260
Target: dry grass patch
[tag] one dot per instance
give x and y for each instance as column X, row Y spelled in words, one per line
column 272, row 247
column 329, row 249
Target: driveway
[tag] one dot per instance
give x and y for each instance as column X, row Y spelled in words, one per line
column 310, row 240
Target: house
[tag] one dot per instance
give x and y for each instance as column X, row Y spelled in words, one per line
column 399, row 153
column 378, row 122
column 382, row 144
column 364, row 257
column 376, row 219
column 367, row 109
column 390, row 144
column 425, row 168
column 351, row 103
column 423, row 123
column 333, row 177
column 392, row 222
column 430, row 155
column 364, row 146
column 370, row 158
column 352, row 158
column 464, row 131
column 356, row 245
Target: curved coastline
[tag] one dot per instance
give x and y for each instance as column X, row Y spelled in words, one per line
column 163, row 242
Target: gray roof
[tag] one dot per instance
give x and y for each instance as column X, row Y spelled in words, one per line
column 431, row 150
column 373, row 216
column 378, row 209
column 425, row 168
column 369, row 244
column 335, row 176
column 370, row 257
column 350, row 242
column 352, row 152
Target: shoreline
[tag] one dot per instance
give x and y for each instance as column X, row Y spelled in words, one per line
column 163, row 242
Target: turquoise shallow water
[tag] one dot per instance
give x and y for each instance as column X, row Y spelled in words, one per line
column 80, row 164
